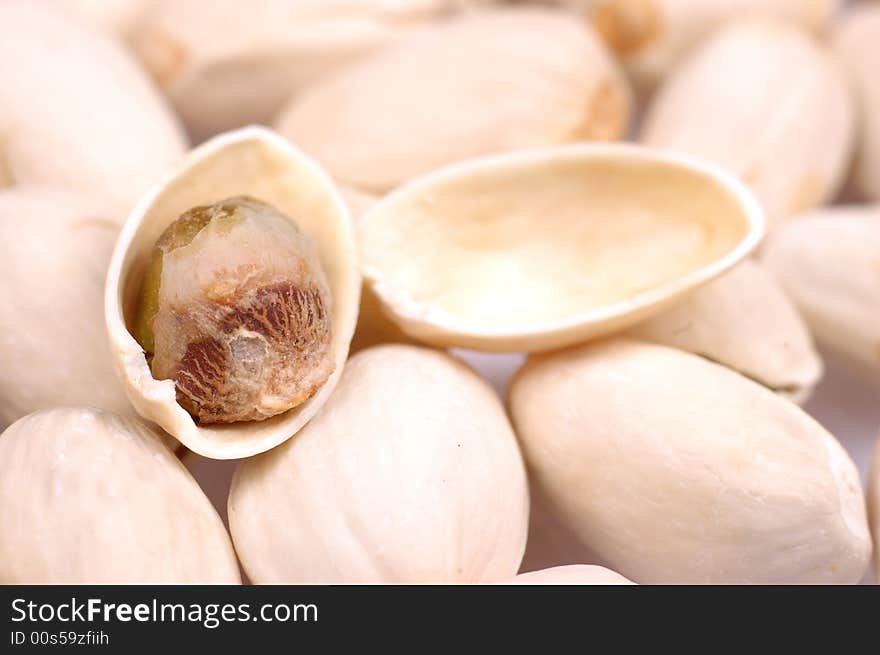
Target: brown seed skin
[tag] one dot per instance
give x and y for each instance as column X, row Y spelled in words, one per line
column 236, row 312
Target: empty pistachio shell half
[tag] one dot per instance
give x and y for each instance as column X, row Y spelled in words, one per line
column 54, row 347
column 572, row 574
column 829, row 264
column 857, row 40
column 738, row 100
column 536, row 250
column 224, row 64
column 89, row 497
column 752, row 489
column 253, row 299
column 89, row 121
column 383, row 487
column 651, row 36
column 745, row 321
column 549, row 78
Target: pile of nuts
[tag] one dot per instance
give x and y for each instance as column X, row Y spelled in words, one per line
column 253, row 231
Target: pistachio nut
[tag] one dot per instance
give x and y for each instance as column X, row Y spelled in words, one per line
column 572, row 574
column 736, row 485
column 239, row 276
column 54, row 347
column 745, row 321
column 857, row 41
column 89, row 120
column 424, row 484
column 548, row 76
column 651, row 36
column 224, row 63
column 739, row 100
column 829, row 264
column 874, row 502
column 114, row 16
column 89, row 497
column 534, row 250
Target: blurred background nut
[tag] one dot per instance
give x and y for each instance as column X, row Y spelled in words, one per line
column 80, row 115
column 745, row 321
column 117, row 17
column 572, row 574
column 857, row 40
column 829, row 264
column 874, row 504
column 410, row 473
column 227, row 63
column 53, row 346
column 89, row 497
column 424, row 102
column 767, row 102
column 652, row 36
column 674, row 469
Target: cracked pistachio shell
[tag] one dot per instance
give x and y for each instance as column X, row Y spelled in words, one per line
column 672, row 469
column 87, row 120
column 745, row 321
column 857, row 41
column 572, row 574
column 549, row 79
column 251, row 162
column 53, row 347
column 768, row 103
column 829, row 264
column 425, row 484
column 88, row 497
column 542, row 249
column 224, row 63
column 874, row 502
column 651, row 36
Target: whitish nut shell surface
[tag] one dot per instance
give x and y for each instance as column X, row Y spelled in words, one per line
column 874, row 503
column 745, row 321
column 829, row 264
column 857, row 40
column 739, row 100
column 541, row 249
column 226, row 64
column 549, row 77
column 53, row 347
column 572, row 574
column 89, row 121
column 410, row 473
column 651, row 36
column 251, row 162
column 672, row 469
column 88, row 497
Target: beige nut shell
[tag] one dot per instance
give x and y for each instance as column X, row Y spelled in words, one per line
column 740, row 100
column 829, row 264
column 88, row 497
column 745, row 321
column 410, row 473
column 256, row 162
column 534, row 250
column 572, row 574
column 483, row 83
column 672, row 469
column 874, row 503
column 76, row 111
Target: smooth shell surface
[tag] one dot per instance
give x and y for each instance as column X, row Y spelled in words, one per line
column 651, row 36
column 745, row 321
column 91, row 498
column 424, row 103
column 537, row 250
column 253, row 162
column 572, row 574
column 874, row 502
column 739, row 101
column 80, row 115
column 675, row 470
column 829, row 264
column 410, row 473
column 857, row 40
column 53, row 344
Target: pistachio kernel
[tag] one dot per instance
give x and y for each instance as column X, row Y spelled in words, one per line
column 235, row 308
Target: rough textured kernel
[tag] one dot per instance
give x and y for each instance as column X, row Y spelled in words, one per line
column 235, row 308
